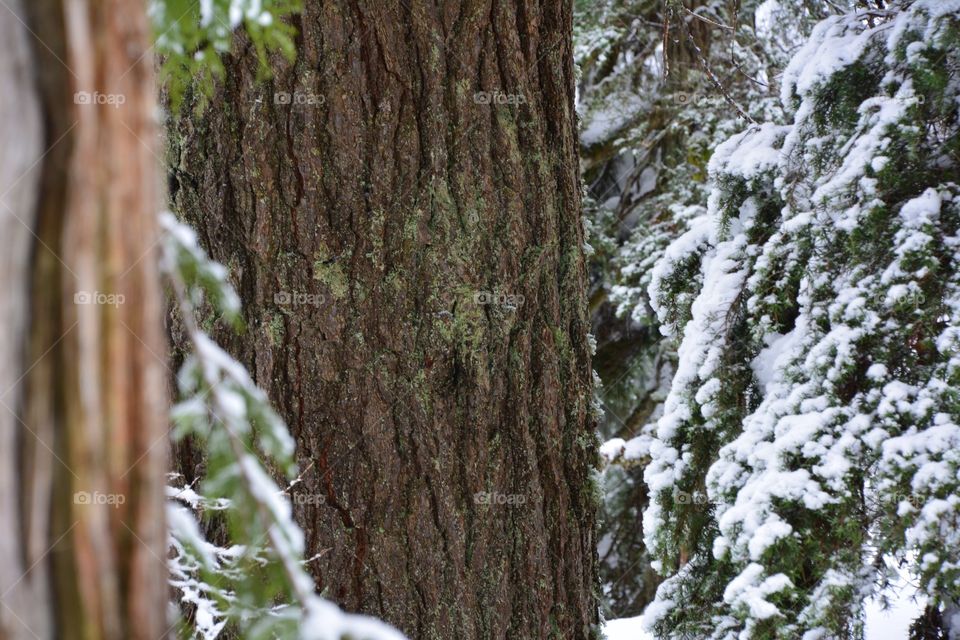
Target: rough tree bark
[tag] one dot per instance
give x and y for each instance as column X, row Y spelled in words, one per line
column 409, row 254
column 83, row 421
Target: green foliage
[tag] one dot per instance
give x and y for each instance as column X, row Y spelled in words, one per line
column 815, row 397
column 232, row 421
column 253, row 583
column 650, row 122
column 193, row 35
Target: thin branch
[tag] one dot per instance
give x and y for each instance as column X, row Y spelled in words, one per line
column 707, row 20
column 717, row 83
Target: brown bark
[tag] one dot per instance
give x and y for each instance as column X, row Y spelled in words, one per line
column 384, row 189
column 84, row 469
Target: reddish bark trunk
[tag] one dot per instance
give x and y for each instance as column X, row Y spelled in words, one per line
column 84, row 472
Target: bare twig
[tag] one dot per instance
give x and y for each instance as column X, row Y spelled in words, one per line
column 717, row 83
column 708, row 20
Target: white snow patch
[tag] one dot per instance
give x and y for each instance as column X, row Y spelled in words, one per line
column 626, row 629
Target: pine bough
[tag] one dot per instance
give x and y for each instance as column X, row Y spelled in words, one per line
column 810, row 438
column 255, row 585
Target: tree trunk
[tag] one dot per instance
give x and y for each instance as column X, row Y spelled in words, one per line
column 83, row 426
column 400, row 208
column 24, row 596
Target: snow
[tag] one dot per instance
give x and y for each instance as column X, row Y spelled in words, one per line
column 939, row 8
column 181, row 244
column 267, row 493
column 805, row 439
column 750, row 153
column 833, row 45
column 184, row 532
column 601, row 124
column 613, row 448
column 694, row 240
column 325, row 621
column 635, row 448
column 647, row 183
column 774, row 357
column 766, row 535
column 206, row 12
column 765, row 18
column 626, row 629
column 749, row 590
column 922, row 210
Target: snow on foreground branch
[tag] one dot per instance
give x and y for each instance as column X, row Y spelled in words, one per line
column 257, row 585
column 810, row 444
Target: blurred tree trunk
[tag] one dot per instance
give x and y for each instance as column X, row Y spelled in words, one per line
column 83, row 421
column 401, row 209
